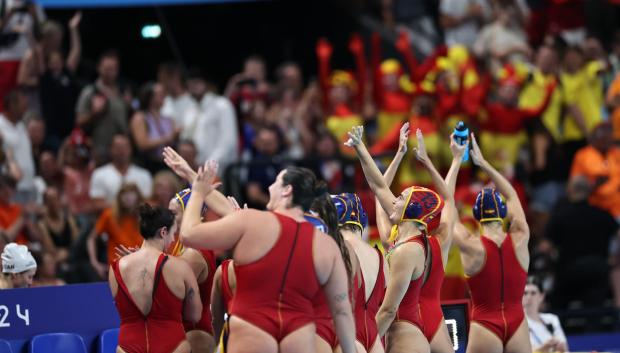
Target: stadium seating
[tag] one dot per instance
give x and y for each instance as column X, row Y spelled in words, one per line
column 108, row 341
column 58, row 342
column 5, row 347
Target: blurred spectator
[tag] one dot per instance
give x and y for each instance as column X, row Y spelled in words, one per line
column 35, row 62
column 326, row 154
column 265, row 167
column 504, row 39
column 12, row 216
column 120, row 224
column 47, row 274
column 18, row 266
column 107, row 180
column 581, row 232
column 50, row 174
column 418, row 17
column 16, row 140
column 58, row 86
column 165, row 186
column 8, row 166
column 19, row 23
column 213, row 128
column 101, row 111
column 613, row 103
column 178, row 104
column 580, row 89
column 37, row 131
column 599, row 162
column 461, row 20
column 187, row 150
column 150, row 130
column 58, row 228
column 546, row 334
column 254, row 72
column 77, row 172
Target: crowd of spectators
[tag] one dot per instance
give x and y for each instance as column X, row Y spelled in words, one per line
column 540, row 88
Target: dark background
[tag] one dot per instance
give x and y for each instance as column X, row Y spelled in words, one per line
column 216, row 37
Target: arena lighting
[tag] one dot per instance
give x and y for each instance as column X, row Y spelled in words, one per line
column 151, row 31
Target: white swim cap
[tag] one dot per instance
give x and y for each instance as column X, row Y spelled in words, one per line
column 17, row 259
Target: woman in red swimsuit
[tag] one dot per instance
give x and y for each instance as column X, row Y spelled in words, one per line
column 495, row 265
column 153, row 292
column 440, row 241
column 371, row 274
column 277, row 277
column 415, row 212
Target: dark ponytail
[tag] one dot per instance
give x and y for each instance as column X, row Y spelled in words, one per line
column 153, row 219
column 306, row 186
column 326, row 210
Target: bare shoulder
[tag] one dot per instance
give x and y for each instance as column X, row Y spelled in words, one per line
column 178, row 266
column 407, row 253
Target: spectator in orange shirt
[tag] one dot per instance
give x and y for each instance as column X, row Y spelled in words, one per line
column 120, row 223
column 600, row 163
column 12, row 220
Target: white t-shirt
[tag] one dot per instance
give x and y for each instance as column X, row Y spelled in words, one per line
column 18, row 22
column 180, row 109
column 16, row 139
column 214, row 131
column 107, row 181
column 466, row 32
column 539, row 333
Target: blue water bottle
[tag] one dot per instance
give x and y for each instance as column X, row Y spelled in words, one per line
column 461, row 135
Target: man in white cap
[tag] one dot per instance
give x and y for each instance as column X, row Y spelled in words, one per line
column 18, row 266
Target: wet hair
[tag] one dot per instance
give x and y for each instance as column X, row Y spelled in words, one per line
column 326, row 210
column 306, row 186
column 535, row 281
column 152, row 219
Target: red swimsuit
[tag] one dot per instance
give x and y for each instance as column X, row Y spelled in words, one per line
column 497, row 290
column 275, row 292
column 323, row 320
column 161, row 330
column 409, row 308
column 227, row 293
column 365, row 311
column 205, row 295
column 430, row 303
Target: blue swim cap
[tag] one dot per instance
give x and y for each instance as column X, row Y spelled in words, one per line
column 182, row 198
column 316, row 221
column 489, row 206
column 350, row 210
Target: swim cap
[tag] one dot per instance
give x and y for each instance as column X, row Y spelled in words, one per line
column 350, row 210
column 316, row 221
column 183, row 198
column 17, row 259
column 423, row 206
column 489, row 206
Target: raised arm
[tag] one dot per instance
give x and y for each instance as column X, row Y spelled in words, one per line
column 356, row 46
column 215, row 200
column 75, row 53
column 516, row 214
column 422, row 156
column 324, row 53
column 373, row 175
column 383, row 219
column 222, row 234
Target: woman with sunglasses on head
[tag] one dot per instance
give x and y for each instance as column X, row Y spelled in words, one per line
column 440, row 241
column 496, row 264
column 546, row 334
column 415, row 213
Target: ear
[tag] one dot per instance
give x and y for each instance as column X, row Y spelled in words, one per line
column 287, row 191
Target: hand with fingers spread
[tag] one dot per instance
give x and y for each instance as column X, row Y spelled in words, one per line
column 178, row 165
column 420, row 151
column 457, row 149
column 355, row 136
column 203, row 181
column 476, row 154
column 235, row 204
column 404, row 136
